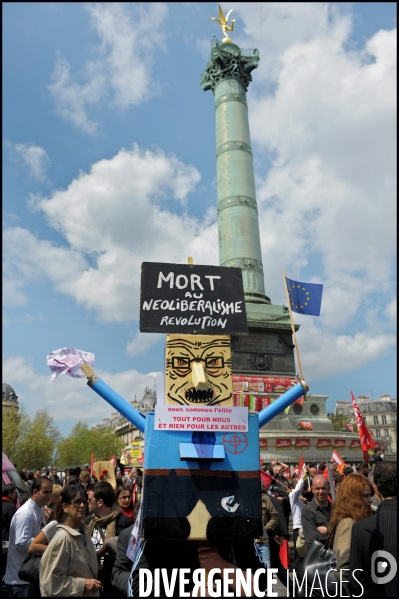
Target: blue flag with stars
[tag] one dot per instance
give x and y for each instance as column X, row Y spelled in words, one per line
column 305, row 298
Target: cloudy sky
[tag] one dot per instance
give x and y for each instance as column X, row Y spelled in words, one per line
column 109, row 161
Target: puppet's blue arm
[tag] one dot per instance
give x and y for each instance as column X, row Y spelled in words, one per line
column 113, row 398
column 282, row 402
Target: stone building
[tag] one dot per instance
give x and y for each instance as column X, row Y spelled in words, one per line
column 9, row 398
column 380, row 416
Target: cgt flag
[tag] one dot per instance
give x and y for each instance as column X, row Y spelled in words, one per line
column 365, row 437
column 305, row 298
column 337, row 458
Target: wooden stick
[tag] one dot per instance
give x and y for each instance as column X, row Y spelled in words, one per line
column 293, row 327
column 190, row 260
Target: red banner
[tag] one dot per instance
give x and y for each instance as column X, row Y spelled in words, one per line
column 283, row 443
column 262, row 384
column 302, row 443
column 355, row 444
column 365, row 438
column 323, row 443
column 283, row 553
column 339, row 442
column 263, row 443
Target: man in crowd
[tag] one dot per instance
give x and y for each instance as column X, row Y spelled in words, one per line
column 307, row 487
column 105, row 522
column 122, row 566
column 364, row 469
column 8, row 508
column 281, row 489
column 25, row 526
column 37, row 473
column 377, row 457
column 54, row 477
column 316, row 514
column 373, row 553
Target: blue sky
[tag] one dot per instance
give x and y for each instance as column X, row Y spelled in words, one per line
column 109, row 161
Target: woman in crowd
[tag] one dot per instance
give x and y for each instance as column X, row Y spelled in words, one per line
column 67, row 476
column 69, row 564
column 84, row 478
column 48, row 510
column 353, row 503
column 123, row 498
column 41, row 541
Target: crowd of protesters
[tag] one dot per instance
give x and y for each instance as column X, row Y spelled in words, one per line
column 72, row 524
column 81, row 527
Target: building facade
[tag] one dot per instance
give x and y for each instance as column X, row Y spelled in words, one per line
column 380, row 416
column 9, row 399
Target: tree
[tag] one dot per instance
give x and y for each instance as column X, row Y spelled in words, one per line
column 29, row 442
column 82, row 442
column 340, row 421
column 15, row 424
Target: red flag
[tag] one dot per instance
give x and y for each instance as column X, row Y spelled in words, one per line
column 266, row 479
column 284, row 554
column 365, row 437
column 302, row 466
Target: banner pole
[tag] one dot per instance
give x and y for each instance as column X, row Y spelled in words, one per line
column 293, row 327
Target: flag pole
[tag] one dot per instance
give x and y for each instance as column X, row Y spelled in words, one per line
column 293, row 327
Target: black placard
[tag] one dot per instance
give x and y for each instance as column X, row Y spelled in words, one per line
column 192, row 299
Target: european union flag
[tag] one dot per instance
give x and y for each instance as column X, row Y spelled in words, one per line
column 305, row 298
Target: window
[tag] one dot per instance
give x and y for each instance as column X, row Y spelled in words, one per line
column 386, row 431
column 375, row 419
column 389, row 406
column 364, row 419
column 388, row 448
column 377, row 432
column 384, row 419
column 378, row 407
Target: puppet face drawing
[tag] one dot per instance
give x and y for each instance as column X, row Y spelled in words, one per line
column 198, row 370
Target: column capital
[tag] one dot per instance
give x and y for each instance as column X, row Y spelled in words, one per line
column 228, row 61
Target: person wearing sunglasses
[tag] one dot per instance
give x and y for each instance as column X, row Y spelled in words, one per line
column 69, row 565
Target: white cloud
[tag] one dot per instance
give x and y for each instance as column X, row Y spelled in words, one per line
column 340, row 353
column 31, row 156
column 67, row 398
column 142, row 342
column 326, row 118
column 129, row 33
column 115, row 218
column 71, row 99
column 391, row 311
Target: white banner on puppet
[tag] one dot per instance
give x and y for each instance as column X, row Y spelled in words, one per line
column 192, row 418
